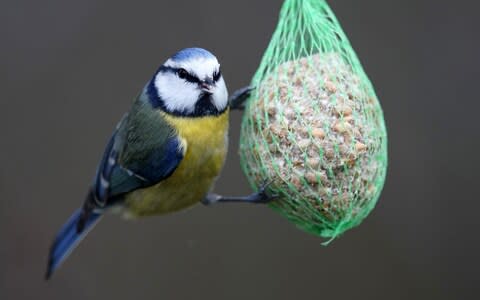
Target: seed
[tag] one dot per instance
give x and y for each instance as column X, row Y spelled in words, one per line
column 311, row 178
column 303, row 144
column 271, row 96
column 283, row 92
column 274, row 129
column 342, row 127
column 271, row 110
column 289, row 113
column 347, row 111
column 296, row 182
column 318, row 133
column 298, row 81
column 360, row 147
column 329, row 153
column 343, row 110
column 330, row 87
column 273, row 148
column 323, row 176
column 297, row 163
column 313, row 162
column 343, row 149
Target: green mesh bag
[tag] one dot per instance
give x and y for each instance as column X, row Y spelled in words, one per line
column 313, row 127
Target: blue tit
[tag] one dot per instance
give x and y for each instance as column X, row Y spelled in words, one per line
column 166, row 152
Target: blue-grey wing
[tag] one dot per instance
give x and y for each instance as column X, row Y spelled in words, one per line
column 142, row 151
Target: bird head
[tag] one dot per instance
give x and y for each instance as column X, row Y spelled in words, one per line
column 189, row 83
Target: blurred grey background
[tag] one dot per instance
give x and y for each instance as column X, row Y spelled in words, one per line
column 70, row 69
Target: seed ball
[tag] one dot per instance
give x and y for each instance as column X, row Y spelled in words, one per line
column 321, row 144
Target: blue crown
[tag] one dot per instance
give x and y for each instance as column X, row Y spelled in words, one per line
column 189, row 53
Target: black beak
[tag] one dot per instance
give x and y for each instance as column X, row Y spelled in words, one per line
column 207, row 85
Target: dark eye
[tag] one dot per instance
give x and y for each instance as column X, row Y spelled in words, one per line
column 216, row 75
column 182, row 73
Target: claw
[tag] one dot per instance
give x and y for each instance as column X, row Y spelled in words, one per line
column 238, row 98
column 263, row 196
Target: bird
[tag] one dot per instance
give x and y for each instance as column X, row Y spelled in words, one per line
column 166, row 152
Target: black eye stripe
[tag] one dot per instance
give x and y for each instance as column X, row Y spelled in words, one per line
column 182, row 73
column 216, row 75
column 188, row 77
column 191, row 78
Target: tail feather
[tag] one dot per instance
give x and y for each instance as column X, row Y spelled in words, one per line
column 68, row 238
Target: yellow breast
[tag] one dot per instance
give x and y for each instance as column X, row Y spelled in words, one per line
column 204, row 140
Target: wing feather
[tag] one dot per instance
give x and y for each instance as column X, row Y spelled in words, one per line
column 142, row 151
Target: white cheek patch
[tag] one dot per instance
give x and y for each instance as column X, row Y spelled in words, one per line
column 176, row 93
column 220, row 95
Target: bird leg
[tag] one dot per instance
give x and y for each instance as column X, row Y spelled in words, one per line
column 238, row 98
column 259, row 197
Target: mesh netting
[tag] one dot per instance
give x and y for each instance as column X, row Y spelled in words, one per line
column 313, row 127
